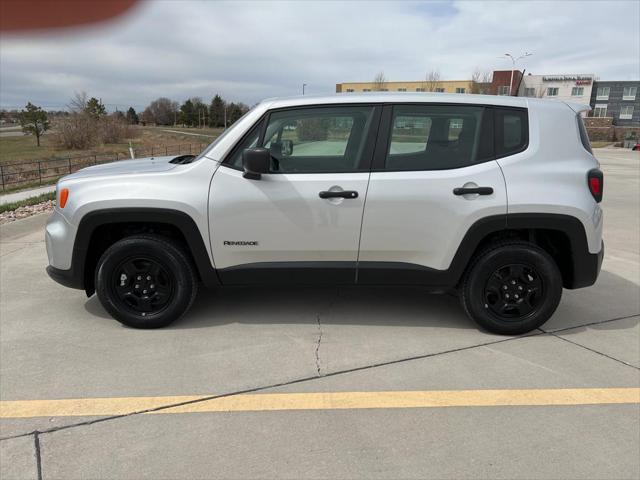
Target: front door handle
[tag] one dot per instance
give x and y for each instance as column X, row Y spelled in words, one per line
column 339, row 194
column 469, row 190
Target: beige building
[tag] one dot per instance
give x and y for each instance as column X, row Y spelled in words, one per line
column 444, row 86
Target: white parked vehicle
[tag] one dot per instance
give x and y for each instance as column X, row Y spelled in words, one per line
column 496, row 198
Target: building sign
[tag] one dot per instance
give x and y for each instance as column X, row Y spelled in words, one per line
column 580, row 80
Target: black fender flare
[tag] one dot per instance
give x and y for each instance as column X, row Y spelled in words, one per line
column 582, row 271
column 178, row 219
column 584, row 266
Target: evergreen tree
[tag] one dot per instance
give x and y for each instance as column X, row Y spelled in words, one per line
column 235, row 111
column 187, row 113
column 132, row 117
column 34, row 121
column 216, row 112
column 95, row 108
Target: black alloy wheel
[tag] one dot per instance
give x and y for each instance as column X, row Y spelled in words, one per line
column 143, row 285
column 511, row 287
column 513, row 291
column 146, row 281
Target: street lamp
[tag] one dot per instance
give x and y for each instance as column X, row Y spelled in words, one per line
column 303, row 85
column 513, row 65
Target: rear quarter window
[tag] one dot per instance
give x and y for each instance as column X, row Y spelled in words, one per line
column 512, row 131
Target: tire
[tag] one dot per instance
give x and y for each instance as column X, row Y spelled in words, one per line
column 533, row 288
column 146, row 281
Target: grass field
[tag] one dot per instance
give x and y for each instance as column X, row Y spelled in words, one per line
column 23, row 148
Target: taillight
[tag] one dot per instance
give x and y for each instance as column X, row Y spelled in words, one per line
column 64, row 195
column 595, row 181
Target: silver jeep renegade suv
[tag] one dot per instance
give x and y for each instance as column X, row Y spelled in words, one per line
column 496, row 198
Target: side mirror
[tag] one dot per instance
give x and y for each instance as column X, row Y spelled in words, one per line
column 255, row 161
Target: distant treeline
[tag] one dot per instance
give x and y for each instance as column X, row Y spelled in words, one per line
column 193, row 112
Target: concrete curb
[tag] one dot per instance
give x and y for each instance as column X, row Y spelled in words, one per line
column 19, row 228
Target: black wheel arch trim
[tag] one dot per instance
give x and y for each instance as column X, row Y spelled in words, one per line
column 76, row 276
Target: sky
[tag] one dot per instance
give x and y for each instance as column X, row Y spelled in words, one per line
column 248, row 51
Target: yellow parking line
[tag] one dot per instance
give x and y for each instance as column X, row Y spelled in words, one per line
column 320, row 401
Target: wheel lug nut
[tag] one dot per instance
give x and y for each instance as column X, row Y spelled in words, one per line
column 144, row 291
column 138, row 277
column 516, row 296
column 504, row 287
column 506, row 296
column 152, row 286
column 137, row 286
column 513, row 282
column 519, row 287
column 148, row 277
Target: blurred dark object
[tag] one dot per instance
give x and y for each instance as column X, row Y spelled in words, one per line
column 20, row 15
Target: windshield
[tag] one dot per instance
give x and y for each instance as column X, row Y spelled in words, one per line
column 217, row 141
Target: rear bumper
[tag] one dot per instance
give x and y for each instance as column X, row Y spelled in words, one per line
column 586, row 268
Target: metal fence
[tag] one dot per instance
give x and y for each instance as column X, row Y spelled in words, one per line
column 15, row 175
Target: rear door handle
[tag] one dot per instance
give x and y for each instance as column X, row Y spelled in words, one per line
column 339, row 194
column 469, row 190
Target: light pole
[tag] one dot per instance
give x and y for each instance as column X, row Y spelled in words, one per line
column 513, row 66
column 303, row 85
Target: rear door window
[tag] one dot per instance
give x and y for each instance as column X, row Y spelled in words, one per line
column 434, row 137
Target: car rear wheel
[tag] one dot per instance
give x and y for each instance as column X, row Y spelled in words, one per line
column 146, row 281
column 512, row 288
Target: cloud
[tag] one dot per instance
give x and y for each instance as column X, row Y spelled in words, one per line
column 247, row 51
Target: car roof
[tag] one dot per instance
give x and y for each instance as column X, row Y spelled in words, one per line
column 410, row 97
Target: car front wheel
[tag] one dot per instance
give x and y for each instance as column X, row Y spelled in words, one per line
column 512, row 288
column 146, row 281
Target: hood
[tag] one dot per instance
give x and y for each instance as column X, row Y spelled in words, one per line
column 122, row 167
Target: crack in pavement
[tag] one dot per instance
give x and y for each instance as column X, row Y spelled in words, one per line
column 537, row 333
column 320, row 333
column 36, row 441
column 318, row 345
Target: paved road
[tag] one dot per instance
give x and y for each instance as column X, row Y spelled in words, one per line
column 323, row 383
column 189, row 133
column 24, row 194
column 11, row 131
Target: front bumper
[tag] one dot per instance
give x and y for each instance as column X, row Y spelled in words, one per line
column 60, row 236
column 67, row 278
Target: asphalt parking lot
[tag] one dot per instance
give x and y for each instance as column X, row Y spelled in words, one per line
column 323, row 383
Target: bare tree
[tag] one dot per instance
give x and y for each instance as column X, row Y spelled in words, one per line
column 481, row 81
column 432, row 80
column 379, row 82
column 78, row 102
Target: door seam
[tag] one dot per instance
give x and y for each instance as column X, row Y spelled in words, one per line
column 364, row 206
